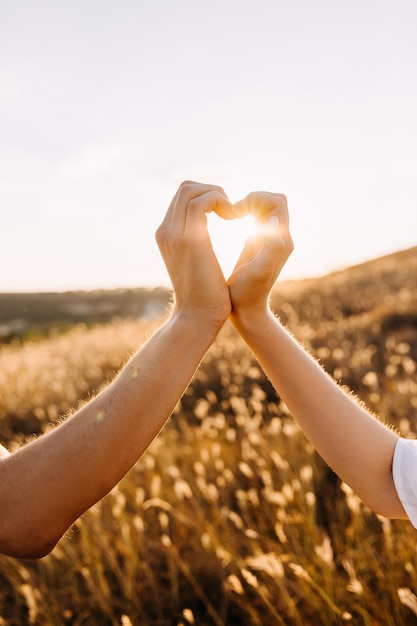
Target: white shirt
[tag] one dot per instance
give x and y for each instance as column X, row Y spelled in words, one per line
column 404, row 471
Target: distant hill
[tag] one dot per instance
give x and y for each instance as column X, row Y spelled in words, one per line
column 384, row 286
column 21, row 313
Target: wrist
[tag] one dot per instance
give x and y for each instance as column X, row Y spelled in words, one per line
column 197, row 323
column 251, row 318
column 208, row 312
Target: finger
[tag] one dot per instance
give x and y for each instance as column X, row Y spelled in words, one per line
column 267, row 235
column 278, row 246
column 174, row 222
column 166, row 230
column 266, row 255
column 262, row 204
column 188, row 196
column 198, row 207
column 241, row 208
column 269, row 231
column 276, row 236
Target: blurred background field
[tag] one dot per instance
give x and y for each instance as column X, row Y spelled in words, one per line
column 230, row 518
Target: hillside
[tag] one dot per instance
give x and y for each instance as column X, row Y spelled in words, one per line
column 23, row 313
column 360, row 322
column 230, row 518
column 389, row 281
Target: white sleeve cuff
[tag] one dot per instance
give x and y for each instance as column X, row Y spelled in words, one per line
column 404, row 472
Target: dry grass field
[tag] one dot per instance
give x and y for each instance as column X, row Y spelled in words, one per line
column 230, row 518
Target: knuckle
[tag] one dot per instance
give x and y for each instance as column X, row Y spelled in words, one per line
column 289, row 245
column 282, row 198
column 192, row 203
column 252, row 197
column 159, row 234
column 261, row 203
column 185, row 189
column 219, row 190
column 187, row 183
column 162, row 236
column 251, row 202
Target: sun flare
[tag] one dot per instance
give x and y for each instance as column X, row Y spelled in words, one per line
column 228, row 238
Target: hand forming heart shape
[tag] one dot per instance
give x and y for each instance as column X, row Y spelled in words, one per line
column 230, row 233
column 200, row 284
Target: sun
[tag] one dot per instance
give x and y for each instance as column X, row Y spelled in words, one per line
column 228, row 238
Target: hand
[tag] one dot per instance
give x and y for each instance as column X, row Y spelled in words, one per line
column 183, row 239
column 264, row 253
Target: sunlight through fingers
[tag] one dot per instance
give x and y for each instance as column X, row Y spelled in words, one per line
column 228, row 238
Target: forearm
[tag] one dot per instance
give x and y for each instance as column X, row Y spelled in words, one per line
column 50, row 482
column 352, row 441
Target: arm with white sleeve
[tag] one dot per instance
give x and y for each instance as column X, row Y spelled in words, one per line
column 357, row 445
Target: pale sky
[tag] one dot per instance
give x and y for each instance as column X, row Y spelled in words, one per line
column 106, row 106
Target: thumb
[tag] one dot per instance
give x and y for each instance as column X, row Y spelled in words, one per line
column 270, row 244
column 265, row 242
column 269, row 232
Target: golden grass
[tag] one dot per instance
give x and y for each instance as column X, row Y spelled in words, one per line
column 230, row 518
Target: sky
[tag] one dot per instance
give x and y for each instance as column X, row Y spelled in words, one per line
column 105, row 107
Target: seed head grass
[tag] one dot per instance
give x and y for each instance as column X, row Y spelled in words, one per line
column 230, row 517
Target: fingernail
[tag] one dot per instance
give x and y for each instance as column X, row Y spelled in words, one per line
column 273, row 220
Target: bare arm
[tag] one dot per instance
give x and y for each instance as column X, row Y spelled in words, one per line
column 352, row 441
column 47, row 484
